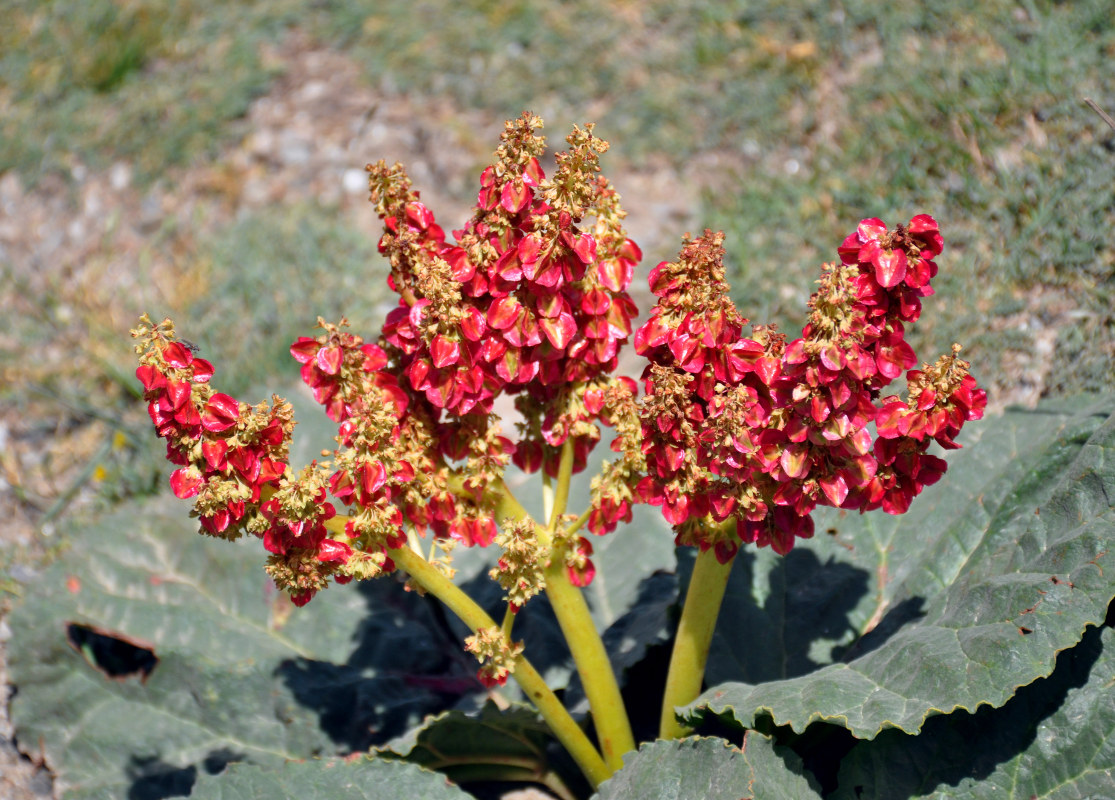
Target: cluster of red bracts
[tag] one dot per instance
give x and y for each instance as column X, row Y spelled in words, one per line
column 786, row 429
column 741, row 436
column 323, row 370
column 200, row 428
column 230, row 456
column 526, row 320
column 545, row 309
column 349, row 377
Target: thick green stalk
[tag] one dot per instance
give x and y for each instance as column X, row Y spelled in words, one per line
column 698, row 621
column 613, row 730
column 564, row 727
column 609, row 716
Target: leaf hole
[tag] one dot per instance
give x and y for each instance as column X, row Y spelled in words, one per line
column 153, row 779
column 118, row 656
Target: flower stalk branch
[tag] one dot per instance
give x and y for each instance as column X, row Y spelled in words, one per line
column 694, row 637
column 564, row 727
column 613, row 730
column 609, row 716
column 561, row 491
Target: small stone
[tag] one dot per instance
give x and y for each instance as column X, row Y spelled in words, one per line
column 120, row 176
column 293, row 149
column 23, row 573
column 261, row 143
column 11, row 189
column 313, row 90
column 355, row 181
column 41, row 784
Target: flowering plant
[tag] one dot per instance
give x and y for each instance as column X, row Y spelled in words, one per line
column 737, row 435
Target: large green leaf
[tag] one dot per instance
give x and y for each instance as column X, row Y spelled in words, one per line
column 1052, row 740
column 883, row 621
column 709, row 769
column 329, row 780
column 511, row 744
column 149, row 651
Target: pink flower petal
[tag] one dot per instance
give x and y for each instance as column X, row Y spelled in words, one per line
column 444, row 352
column 332, row 550
column 835, row 488
column 221, row 413
column 177, row 355
column 374, row 358
column 515, row 198
column 474, row 325
column 890, row 266
column 329, row 359
column 504, row 313
column 185, row 482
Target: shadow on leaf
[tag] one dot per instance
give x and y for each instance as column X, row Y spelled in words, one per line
column 805, row 603
column 116, row 655
column 897, row 616
column 399, row 671
column 968, row 748
column 153, row 779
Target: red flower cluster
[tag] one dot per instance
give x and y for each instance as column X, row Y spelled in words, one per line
column 227, row 452
column 765, row 431
column 233, row 459
column 392, row 465
column 738, row 437
column 525, row 300
column 349, row 378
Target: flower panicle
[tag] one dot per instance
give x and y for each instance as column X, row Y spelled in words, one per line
column 496, row 654
column 234, row 462
column 738, row 435
column 613, row 490
column 521, row 569
column 527, row 301
column 229, row 454
column 763, row 430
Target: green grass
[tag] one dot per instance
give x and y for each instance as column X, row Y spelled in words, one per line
column 269, row 277
column 970, row 110
column 160, row 83
column 976, row 116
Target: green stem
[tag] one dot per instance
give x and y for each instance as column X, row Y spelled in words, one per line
column 564, row 478
column 547, row 495
column 563, row 726
column 507, row 505
column 698, row 621
column 578, row 523
column 613, row 730
column 508, row 622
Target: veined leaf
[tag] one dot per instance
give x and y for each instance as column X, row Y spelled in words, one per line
column 365, row 779
column 512, row 744
column 149, row 654
column 1051, row 740
column 995, row 570
column 709, row 769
